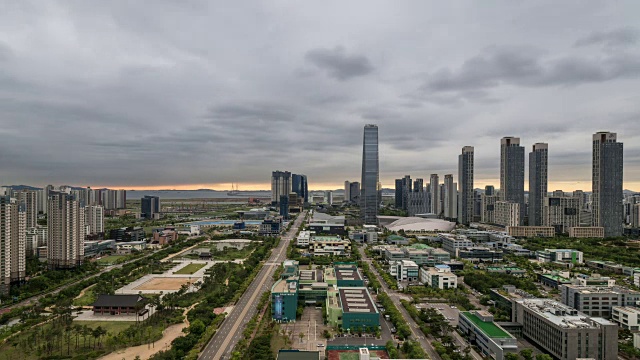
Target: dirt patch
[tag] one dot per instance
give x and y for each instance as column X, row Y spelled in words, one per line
column 165, row 283
column 353, row 354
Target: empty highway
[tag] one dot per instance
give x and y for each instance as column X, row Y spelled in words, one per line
column 225, row 339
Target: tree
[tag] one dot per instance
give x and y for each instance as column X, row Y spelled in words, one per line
column 543, row 357
column 301, row 336
column 511, row 356
column 527, row 354
column 197, row 328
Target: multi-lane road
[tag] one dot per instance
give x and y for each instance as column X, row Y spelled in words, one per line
column 230, row 332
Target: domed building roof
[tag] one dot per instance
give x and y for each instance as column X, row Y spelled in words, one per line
column 415, row 224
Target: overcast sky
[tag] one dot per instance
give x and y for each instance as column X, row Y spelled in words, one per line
column 190, row 94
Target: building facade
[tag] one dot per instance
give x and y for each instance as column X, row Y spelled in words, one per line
column 370, row 190
column 465, row 181
column 538, row 174
column 606, row 197
column 562, row 212
column 66, row 231
column 512, row 173
column 149, row 206
column 299, row 186
column 94, row 219
column 12, row 243
column 434, row 189
column 507, row 213
column 280, row 185
column 450, row 198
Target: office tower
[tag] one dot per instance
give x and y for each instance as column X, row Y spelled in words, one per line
column 94, row 219
column 29, row 199
column 488, row 204
column 606, row 198
column 280, row 185
column 66, row 231
column 369, row 191
column 560, row 211
column 466, row 197
column 121, row 199
column 12, row 243
column 512, row 173
column 489, row 190
column 150, row 205
column 434, row 186
column 406, row 189
column 284, row 206
column 354, row 192
column 538, row 168
column 450, row 198
column 418, row 185
column 418, row 203
column 347, row 189
column 399, row 190
column 110, row 199
column 299, row 186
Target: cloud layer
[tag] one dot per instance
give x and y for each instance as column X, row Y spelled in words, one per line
column 205, row 93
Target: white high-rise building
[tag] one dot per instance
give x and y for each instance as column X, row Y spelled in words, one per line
column 507, row 213
column 66, row 231
column 12, row 243
column 94, row 219
column 347, row 191
column 450, row 198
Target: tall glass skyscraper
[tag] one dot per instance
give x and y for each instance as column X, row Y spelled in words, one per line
column 512, row 172
column 538, row 167
column 465, row 182
column 300, row 187
column 369, row 192
column 606, row 199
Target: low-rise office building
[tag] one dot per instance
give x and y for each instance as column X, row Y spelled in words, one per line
column 606, row 266
column 329, row 245
column 479, row 254
column 554, row 280
column 597, row 300
column 352, row 309
column 531, row 231
column 124, row 248
column 439, row 277
column 626, row 317
column 492, row 340
column 561, row 255
column 404, row 270
column 284, row 299
column 451, row 243
column 594, row 280
column 586, row 232
column 304, row 238
column 565, row 333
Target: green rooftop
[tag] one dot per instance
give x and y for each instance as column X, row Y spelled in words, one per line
column 489, row 328
column 555, row 277
column 421, row 246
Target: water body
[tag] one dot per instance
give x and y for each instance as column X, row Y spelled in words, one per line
column 195, row 194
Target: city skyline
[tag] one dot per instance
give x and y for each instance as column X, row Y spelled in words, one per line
column 96, row 108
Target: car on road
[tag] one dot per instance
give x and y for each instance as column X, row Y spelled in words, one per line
column 453, row 307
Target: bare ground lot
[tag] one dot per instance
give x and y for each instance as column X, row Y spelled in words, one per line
column 164, row 283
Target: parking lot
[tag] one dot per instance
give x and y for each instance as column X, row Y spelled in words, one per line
column 451, row 314
column 312, row 326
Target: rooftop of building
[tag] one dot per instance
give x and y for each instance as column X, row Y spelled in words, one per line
column 488, row 327
column 627, row 309
column 317, row 238
column 421, row 224
column 282, row 286
column 347, row 274
column 407, row 263
column 562, row 315
column 503, row 268
column 298, row 355
column 555, row 277
column 560, row 250
column 307, row 275
column 356, row 300
column 590, row 289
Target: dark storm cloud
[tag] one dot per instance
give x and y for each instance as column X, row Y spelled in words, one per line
column 338, row 64
column 611, row 39
column 117, row 93
column 527, row 67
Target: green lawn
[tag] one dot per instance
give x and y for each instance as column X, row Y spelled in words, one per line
column 189, row 269
column 88, row 298
column 111, row 259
